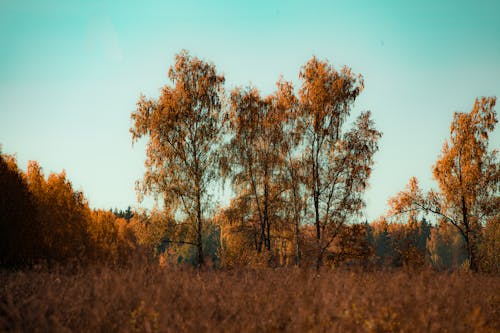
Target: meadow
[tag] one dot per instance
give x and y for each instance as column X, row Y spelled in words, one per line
column 146, row 297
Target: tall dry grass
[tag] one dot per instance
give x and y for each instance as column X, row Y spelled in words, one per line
column 149, row 298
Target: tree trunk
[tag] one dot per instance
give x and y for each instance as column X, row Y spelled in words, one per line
column 199, row 239
column 319, row 260
column 472, row 256
column 267, row 225
column 261, row 219
column 262, row 237
column 297, row 242
column 297, row 225
column 268, row 235
column 469, row 242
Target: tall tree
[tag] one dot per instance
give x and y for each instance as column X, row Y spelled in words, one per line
column 183, row 127
column 295, row 197
column 293, row 171
column 468, row 176
column 339, row 163
column 254, row 151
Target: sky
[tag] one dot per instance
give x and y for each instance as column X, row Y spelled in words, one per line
column 72, row 71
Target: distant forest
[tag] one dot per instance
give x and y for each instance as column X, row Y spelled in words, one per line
column 299, row 169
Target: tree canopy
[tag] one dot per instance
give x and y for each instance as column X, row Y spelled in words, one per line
column 183, row 130
column 468, row 176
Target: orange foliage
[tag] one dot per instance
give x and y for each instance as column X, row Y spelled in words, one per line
column 45, row 220
column 19, row 235
column 467, row 174
column 183, row 129
column 62, row 215
column 339, row 164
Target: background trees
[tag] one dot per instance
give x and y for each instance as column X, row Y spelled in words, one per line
column 19, row 235
column 489, row 247
column 112, row 239
column 183, row 129
column 62, row 215
column 44, row 220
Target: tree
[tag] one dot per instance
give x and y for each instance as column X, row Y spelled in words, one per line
column 408, row 241
column 152, row 229
column 62, row 215
column 293, row 169
column 19, row 232
column 111, row 237
column 446, row 247
column 382, row 242
column 183, row 129
column 468, row 177
column 352, row 246
column 254, row 153
column 489, row 248
column 124, row 214
column 296, row 197
column 240, row 233
column 339, row 163
column 45, row 219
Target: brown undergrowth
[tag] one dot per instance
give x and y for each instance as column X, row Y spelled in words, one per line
column 149, row 298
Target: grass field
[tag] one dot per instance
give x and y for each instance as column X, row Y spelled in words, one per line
column 148, row 298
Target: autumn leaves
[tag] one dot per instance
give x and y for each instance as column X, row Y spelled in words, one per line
column 468, row 176
column 287, row 155
column 297, row 164
column 44, row 220
column 183, row 127
column 294, row 163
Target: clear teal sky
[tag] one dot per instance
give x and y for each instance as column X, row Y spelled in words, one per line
column 71, row 72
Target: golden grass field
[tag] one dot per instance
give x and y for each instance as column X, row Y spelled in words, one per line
column 150, row 298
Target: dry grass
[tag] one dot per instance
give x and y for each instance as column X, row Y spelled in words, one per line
column 148, row 298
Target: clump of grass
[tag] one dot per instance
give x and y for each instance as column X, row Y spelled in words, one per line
column 149, row 298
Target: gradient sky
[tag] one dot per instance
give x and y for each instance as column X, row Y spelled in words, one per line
column 71, row 72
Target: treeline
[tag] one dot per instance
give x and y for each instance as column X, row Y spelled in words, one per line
column 375, row 245
column 44, row 220
column 299, row 164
